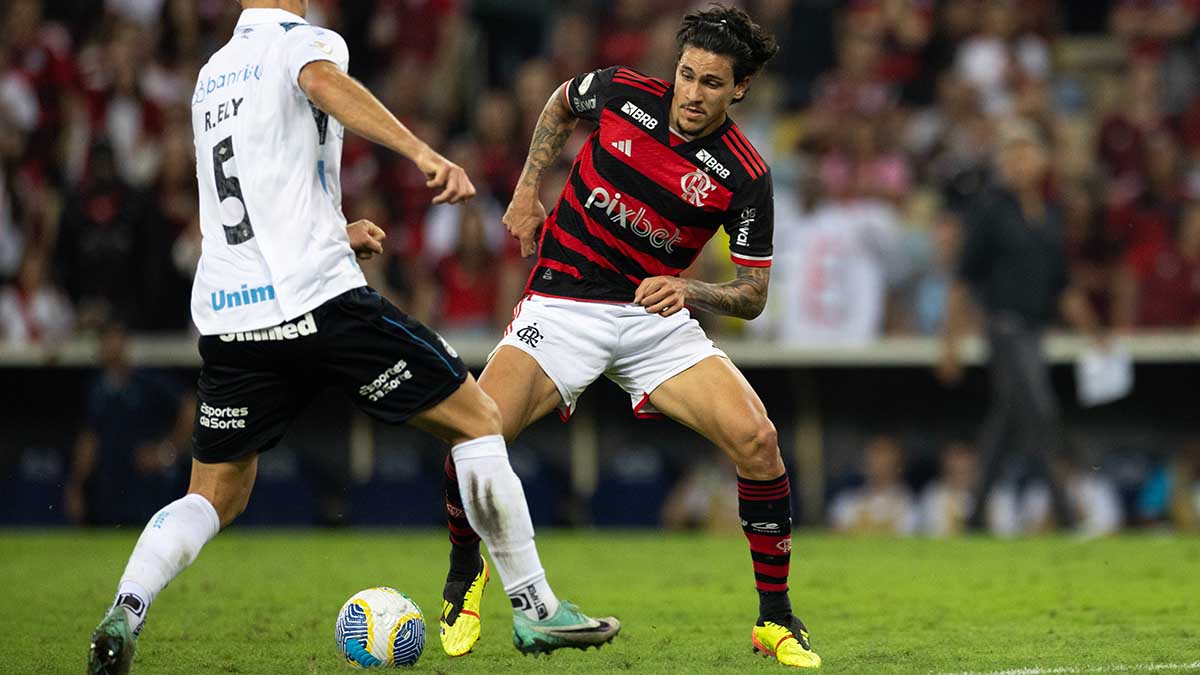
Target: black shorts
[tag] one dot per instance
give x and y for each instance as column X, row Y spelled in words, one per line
column 252, row 385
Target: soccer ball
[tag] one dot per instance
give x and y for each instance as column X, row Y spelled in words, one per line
column 380, row 627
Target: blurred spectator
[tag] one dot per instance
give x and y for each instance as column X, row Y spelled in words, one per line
column 101, row 240
column 835, row 262
column 1123, row 133
column 1172, row 495
column 1147, row 214
column 32, row 310
column 933, row 284
column 1014, row 262
column 468, row 278
column 946, row 502
column 704, row 498
column 884, row 504
column 1093, row 498
column 1160, row 282
column 1000, row 57
column 126, row 458
column 1092, row 253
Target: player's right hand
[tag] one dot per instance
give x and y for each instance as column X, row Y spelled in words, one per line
column 444, row 175
column 524, row 219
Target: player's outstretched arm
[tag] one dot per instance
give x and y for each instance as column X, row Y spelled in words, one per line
column 525, row 214
column 358, row 110
column 744, row 297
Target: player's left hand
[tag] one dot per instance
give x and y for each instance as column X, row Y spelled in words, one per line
column 661, row 295
column 364, row 239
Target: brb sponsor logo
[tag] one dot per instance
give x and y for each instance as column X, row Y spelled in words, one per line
column 634, row 221
column 696, row 186
column 284, row 331
column 638, row 115
column 712, row 164
column 386, row 382
column 245, row 296
column 223, row 418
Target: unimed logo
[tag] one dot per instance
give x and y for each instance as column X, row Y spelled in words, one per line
column 245, row 296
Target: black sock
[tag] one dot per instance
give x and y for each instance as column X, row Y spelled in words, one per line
column 464, row 542
column 765, row 507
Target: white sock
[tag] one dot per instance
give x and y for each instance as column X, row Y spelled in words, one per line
column 171, row 541
column 495, row 505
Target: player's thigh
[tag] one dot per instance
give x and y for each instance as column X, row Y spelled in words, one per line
column 397, row 370
column 226, row 485
column 714, row 399
column 521, row 389
column 247, row 396
column 465, row 415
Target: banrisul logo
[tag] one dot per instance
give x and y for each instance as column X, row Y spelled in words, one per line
column 244, row 296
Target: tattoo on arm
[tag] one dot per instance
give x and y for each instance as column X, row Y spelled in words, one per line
column 744, row 297
column 554, row 127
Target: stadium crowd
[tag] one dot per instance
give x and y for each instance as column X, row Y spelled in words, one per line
column 879, row 120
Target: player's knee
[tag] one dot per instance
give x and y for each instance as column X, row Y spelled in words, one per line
column 485, row 416
column 756, row 449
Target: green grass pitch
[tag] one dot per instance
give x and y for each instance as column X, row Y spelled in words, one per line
column 265, row 602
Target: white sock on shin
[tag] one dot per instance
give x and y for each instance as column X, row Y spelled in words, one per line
column 496, row 508
column 171, row 541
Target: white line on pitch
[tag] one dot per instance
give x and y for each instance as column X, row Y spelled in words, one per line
column 1071, row 670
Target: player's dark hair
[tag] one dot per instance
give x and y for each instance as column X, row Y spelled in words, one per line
column 730, row 32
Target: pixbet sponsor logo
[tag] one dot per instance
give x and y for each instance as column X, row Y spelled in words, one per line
column 634, row 221
column 711, row 163
column 386, row 382
column 638, row 115
column 223, row 418
column 284, row 331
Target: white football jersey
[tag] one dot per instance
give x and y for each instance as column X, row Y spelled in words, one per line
column 268, row 163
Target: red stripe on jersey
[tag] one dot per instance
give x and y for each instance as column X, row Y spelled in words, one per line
column 644, row 87
column 746, row 262
column 656, row 161
column 559, row 267
column 629, row 74
column 749, row 147
column 575, row 244
column 649, row 264
column 689, row 236
column 750, row 169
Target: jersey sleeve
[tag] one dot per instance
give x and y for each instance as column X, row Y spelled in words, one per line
column 751, row 223
column 305, row 44
column 586, row 94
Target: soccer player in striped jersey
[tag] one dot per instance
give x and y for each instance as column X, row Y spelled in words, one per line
column 665, row 168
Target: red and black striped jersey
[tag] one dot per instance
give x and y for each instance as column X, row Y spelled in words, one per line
column 642, row 201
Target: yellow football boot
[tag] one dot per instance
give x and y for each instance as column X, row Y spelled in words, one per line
column 460, row 612
column 788, row 644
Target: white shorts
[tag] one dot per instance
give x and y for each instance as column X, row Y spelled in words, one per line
column 576, row 341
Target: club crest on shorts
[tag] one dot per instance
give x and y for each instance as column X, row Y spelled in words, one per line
column 530, row 335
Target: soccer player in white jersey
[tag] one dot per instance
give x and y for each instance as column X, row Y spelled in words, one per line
column 284, row 312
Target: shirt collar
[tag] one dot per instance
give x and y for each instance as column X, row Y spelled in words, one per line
column 267, row 15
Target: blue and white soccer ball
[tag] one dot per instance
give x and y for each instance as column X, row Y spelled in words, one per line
column 380, row 627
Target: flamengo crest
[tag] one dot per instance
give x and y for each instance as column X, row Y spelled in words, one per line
column 696, row 186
